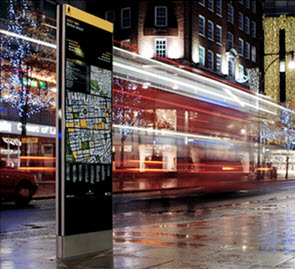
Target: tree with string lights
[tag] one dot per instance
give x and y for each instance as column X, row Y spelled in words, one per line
column 285, row 133
column 23, row 61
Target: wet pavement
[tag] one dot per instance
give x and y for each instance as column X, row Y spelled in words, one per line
column 251, row 232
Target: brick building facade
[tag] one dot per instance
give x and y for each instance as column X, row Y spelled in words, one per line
column 218, row 36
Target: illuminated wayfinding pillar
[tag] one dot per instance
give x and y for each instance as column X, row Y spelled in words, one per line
column 84, row 140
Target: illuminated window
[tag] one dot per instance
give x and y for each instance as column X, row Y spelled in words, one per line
column 247, row 25
column 231, row 68
column 218, row 35
column 253, row 52
column 230, row 40
column 219, row 7
column 161, row 17
column 201, row 55
column 110, row 16
column 241, row 71
column 241, row 21
column 218, row 62
column 230, row 13
column 241, row 47
column 210, row 30
column 161, row 47
column 253, row 28
column 125, row 18
column 201, row 25
column 210, row 59
column 211, row 5
column 247, row 51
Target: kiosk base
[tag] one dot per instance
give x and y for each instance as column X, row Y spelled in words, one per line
column 81, row 244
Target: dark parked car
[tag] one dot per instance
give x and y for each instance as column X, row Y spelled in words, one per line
column 17, row 185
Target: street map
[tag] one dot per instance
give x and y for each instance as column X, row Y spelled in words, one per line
column 88, row 128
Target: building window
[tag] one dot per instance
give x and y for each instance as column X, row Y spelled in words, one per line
column 253, row 52
column 210, row 30
column 253, row 6
column 161, row 47
column 230, row 68
column 219, row 7
column 110, row 16
column 247, row 51
column 125, row 18
column 230, row 13
column 218, row 35
column 201, row 55
column 211, row 5
column 210, row 59
column 201, row 25
column 241, row 21
column 202, row 2
column 241, row 72
column 253, row 28
column 218, row 62
column 247, row 25
column 241, row 47
column 247, row 4
column 161, row 17
column 241, row 2
column 230, row 40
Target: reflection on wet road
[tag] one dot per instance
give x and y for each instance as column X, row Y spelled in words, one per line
column 244, row 230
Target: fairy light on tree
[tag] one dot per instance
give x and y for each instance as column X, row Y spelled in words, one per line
column 128, row 108
column 22, row 60
column 285, row 134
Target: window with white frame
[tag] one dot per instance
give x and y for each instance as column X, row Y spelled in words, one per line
column 110, row 16
column 201, row 25
column 230, row 13
column 211, row 30
column 218, row 35
column 161, row 16
column 202, row 2
column 253, row 6
column 219, row 7
column 210, row 59
column 253, row 28
column 161, row 47
column 241, row 71
column 231, row 68
column 247, row 4
column 201, row 55
column 211, row 5
column 241, row 21
column 241, row 47
column 125, row 17
column 247, row 25
column 247, row 51
column 218, row 62
column 253, row 54
column 230, row 40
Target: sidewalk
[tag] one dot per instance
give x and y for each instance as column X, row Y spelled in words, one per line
column 259, row 234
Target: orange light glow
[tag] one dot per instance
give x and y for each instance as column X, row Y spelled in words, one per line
column 138, row 170
column 264, row 169
column 228, row 168
column 44, row 169
column 36, row 158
